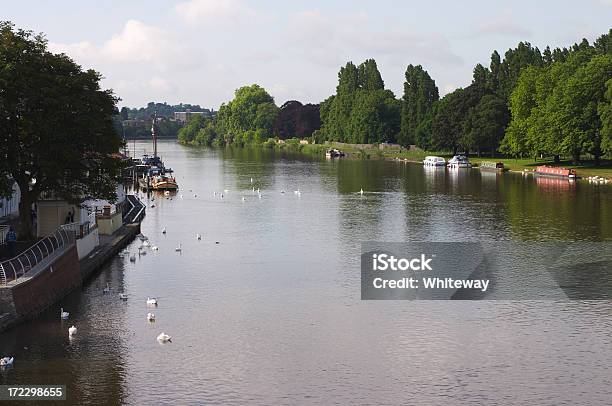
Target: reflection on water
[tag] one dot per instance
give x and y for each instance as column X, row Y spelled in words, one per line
column 272, row 313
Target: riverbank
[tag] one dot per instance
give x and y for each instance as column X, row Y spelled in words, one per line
column 585, row 169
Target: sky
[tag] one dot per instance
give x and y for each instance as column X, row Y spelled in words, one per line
column 200, row 51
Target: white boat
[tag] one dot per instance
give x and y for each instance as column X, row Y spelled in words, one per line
column 434, row 161
column 459, row 161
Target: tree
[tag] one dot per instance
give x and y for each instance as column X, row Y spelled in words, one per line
column 420, row 93
column 485, row 124
column 582, row 94
column 252, row 111
column 56, row 127
column 297, row 120
column 189, row 132
column 605, row 114
column 125, row 113
column 361, row 111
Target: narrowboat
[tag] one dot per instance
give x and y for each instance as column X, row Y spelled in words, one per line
column 545, row 170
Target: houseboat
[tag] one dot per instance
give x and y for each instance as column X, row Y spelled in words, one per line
column 492, row 166
column 459, row 161
column 334, row 153
column 545, row 170
column 434, row 161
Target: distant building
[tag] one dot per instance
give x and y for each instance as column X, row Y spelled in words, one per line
column 184, row 116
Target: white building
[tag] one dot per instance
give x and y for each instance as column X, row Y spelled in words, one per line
column 10, row 206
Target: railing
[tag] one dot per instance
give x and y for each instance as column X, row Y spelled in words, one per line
column 136, row 212
column 79, row 230
column 3, row 231
column 19, row 266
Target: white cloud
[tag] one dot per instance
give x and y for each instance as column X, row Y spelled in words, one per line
column 137, row 42
column 196, row 11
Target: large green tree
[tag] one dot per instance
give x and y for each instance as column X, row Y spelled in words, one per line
column 361, row 111
column 56, row 126
column 420, row 93
column 249, row 117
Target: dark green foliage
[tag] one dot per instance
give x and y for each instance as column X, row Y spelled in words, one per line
column 361, row 111
column 420, row 94
column 560, row 108
column 56, row 124
column 297, row 120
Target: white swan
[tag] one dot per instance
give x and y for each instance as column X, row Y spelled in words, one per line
column 146, row 243
column 179, row 248
column 6, row 361
column 151, row 316
column 225, row 190
column 64, row 315
column 106, row 289
column 244, row 199
column 361, row 192
column 72, row 331
column 163, row 337
column 154, row 248
column 123, row 296
column 152, row 301
column 198, row 236
column 251, row 180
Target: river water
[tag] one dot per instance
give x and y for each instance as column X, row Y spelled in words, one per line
column 271, row 314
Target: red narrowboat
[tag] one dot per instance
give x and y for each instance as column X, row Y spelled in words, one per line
column 545, row 170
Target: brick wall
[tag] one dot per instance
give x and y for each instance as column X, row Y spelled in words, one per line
column 33, row 296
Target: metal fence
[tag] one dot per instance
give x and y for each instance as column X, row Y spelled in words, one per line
column 3, row 231
column 14, row 268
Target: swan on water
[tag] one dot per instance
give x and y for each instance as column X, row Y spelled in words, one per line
column 198, row 236
column 164, row 230
column 244, row 199
column 163, row 337
column 151, row 316
column 64, row 315
column 152, row 301
column 154, row 248
column 123, row 296
column 251, row 180
column 72, row 330
column 225, row 190
column 146, row 244
column 361, row 192
column 6, row 361
column 179, row 248
column 106, row 289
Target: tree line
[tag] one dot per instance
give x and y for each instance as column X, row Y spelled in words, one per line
column 526, row 103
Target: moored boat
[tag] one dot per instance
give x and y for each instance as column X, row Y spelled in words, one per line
column 545, row 170
column 334, row 153
column 434, row 161
column 163, row 182
column 492, row 166
column 459, row 161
